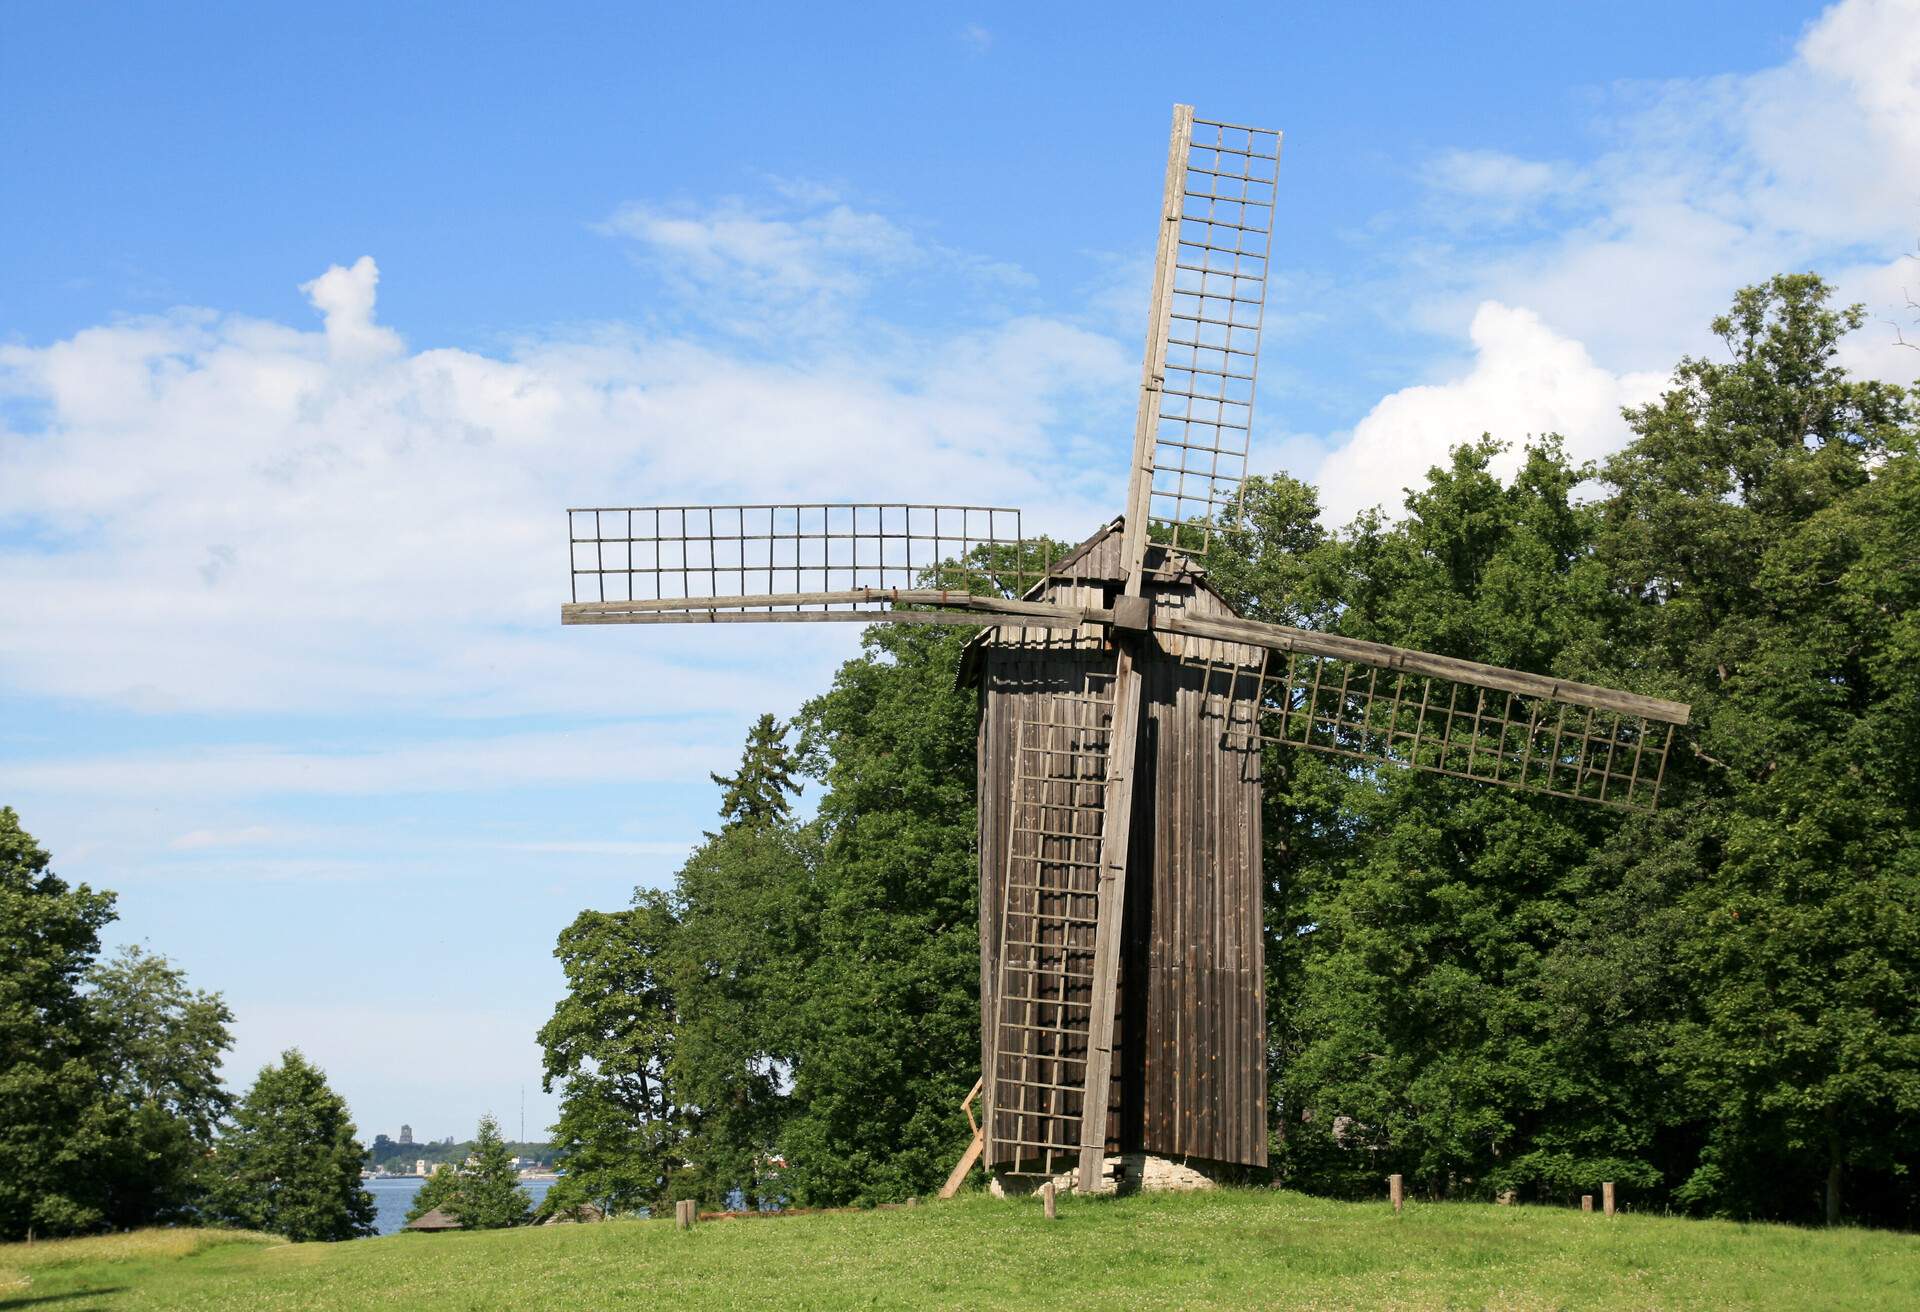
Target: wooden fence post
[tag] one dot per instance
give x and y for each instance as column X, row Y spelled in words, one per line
column 1048, row 1202
column 1586, row 1202
column 1396, row 1191
column 685, row 1213
column 1606, row 1196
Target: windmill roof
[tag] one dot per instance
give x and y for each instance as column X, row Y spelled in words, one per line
column 1186, row 570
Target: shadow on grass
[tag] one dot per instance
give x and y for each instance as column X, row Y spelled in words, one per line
column 41, row 1300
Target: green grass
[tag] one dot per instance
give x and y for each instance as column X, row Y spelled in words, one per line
column 1231, row 1249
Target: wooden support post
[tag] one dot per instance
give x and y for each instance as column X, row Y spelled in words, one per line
column 1116, row 835
column 1396, row 1191
column 958, row 1176
column 685, row 1213
column 1606, row 1196
column 1048, row 1203
column 1586, row 1202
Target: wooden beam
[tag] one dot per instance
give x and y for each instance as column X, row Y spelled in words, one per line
column 958, row 1175
column 1284, row 638
column 805, row 617
column 963, row 608
column 889, row 596
column 1153, row 369
column 969, row 609
column 1116, row 836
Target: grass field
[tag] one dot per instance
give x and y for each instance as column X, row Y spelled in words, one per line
column 1232, row 1249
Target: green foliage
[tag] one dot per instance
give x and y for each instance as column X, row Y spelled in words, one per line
column 889, row 1024
column 747, row 906
column 440, row 1191
column 160, row 1067
column 483, row 1191
column 109, row 1072
column 289, row 1165
column 1768, row 510
column 1481, row 990
column 609, row 1043
column 757, row 792
column 1490, row 992
column 52, row 1122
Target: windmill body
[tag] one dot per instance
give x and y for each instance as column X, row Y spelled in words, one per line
column 1189, row 1070
column 1125, row 710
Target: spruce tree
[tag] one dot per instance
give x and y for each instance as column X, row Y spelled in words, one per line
column 489, row 1196
column 289, row 1164
column 440, row 1191
column 757, row 793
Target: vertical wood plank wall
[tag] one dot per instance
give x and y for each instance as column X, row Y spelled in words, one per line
column 1191, row 1042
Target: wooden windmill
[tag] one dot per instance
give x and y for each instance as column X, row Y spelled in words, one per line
column 1123, row 710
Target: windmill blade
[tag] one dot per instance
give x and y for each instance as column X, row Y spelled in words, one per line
column 1211, row 270
column 1189, row 459
column 1046, row 942
column 1371, row 702
column 852, row 562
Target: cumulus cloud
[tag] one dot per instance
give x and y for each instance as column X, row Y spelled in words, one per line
column 212, row 512
column 1710, row 184
column 1526, row 380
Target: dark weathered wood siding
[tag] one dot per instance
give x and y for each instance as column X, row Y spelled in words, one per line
column 1191, row 1046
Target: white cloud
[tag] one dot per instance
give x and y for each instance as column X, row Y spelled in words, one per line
column 611, row 847
column 1526, row 380
column 646, row 751
column 200, row 840
column 1709, row 184
column 750, row 265
column 344, row 298
column 219, row 513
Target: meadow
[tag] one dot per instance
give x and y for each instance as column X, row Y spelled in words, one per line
column 1228, row 1249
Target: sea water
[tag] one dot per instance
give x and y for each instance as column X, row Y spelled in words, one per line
column 393, row 1195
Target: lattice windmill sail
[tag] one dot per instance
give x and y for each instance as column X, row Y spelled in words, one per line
column 1123, row 706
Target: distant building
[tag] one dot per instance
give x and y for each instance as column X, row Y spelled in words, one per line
column 406, row 1134
column 419, row 1166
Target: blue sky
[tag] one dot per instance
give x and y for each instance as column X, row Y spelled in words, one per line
column 311, row 324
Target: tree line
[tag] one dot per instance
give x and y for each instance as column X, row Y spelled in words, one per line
column 1486, row 992
column 112, row 1113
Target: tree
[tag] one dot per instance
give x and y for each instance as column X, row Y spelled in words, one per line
column 53, row 1123
column 1412, row 912
column 757, row 793
column 746, row 912
column 160, row 1066
column 609, row 1044
column 1764, row 520
column 440, row 1191
column 887, row 1034
column 490, row 1194
column 483, row 1192
column 289, row 1164
column 1487, row 991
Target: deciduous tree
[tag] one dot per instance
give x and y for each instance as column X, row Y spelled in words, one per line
column 288, row 1164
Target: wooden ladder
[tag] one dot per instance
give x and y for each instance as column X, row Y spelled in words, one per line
column 1049, row 914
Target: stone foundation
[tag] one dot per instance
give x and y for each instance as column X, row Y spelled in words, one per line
column 1126, row 1173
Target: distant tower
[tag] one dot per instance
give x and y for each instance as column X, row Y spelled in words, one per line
column 406, row 1134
